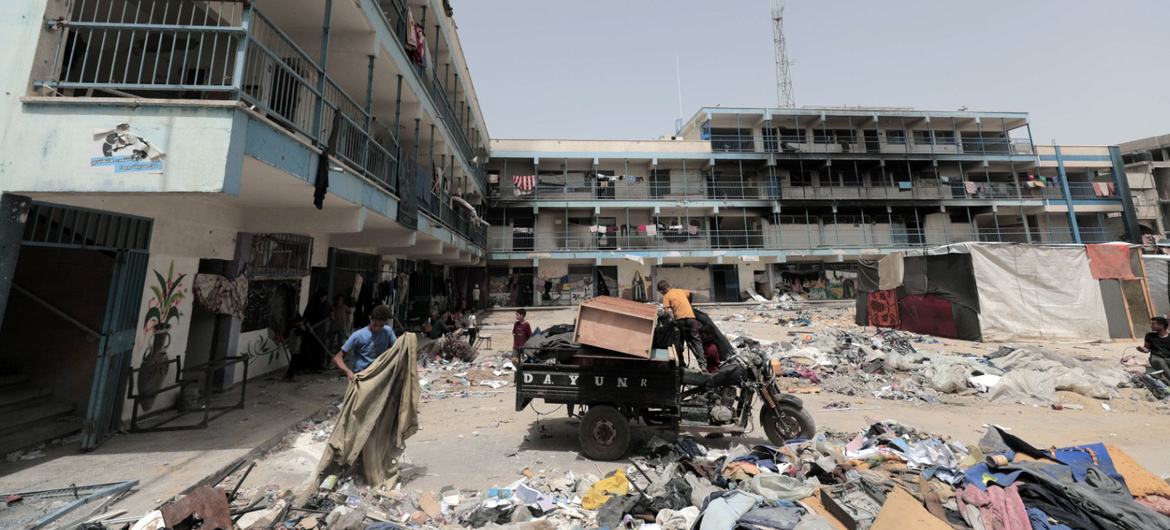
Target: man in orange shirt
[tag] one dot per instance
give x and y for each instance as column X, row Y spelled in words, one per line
column 678, row 301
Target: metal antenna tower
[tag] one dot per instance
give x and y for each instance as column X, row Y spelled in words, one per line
column 784, row 98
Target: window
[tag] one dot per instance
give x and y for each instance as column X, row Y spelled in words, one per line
column 845, row 136
column 944, row 137
column 821, row 136
column 793, row 136
column 775, row 139
column 923, row 138
column 280, row 256
column 659, row 183
column 732, row 140
column 896, row 137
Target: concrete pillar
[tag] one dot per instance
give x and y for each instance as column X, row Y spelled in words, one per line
column 13, row 211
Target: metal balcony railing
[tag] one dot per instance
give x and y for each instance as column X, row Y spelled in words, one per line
column 439, row 205
column 791, row 189
column 643, row 190
column 816, row 142
column 779, row 237
column 223, row 50
column 438, row 92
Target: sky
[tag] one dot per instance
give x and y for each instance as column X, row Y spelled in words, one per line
column 1087, row 71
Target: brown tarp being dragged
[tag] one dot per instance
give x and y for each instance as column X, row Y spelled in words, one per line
column 378, row 414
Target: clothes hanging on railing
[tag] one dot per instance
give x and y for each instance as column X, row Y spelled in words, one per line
column 1103, row 189
column 420, row 50
column 971, row 187
column 523, row 184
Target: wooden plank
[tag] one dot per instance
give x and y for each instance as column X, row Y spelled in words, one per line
column 1145, row 283
column 1139, row 312
column 618, row 325
column 1128, row 314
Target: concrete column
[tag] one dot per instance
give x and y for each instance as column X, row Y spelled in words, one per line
column 1068, row 201
column 13, row 211
column 1133, row 232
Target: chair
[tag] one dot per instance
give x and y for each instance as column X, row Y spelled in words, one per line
column 482, row 340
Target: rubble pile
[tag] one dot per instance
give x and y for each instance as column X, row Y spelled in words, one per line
column 887, row 365
column 887, row 475
column 441, row 379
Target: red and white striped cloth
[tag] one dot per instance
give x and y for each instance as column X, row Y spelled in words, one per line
column 524, row 183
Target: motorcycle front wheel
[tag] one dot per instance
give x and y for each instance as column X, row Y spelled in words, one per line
column 786, row 422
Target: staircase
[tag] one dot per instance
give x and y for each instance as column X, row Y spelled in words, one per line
column 29, row 416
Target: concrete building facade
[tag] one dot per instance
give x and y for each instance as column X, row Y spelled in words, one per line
column 179, row 176
column 1147, row 168
column 764, row 200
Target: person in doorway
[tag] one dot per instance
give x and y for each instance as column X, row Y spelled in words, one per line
column 368, row 343
column 475, row 297
column 521, row 332
column 678, row 302
column 314, row 345
column 1157, row 344
column 472, row 328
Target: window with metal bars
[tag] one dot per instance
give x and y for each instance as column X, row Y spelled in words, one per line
column 279, row 256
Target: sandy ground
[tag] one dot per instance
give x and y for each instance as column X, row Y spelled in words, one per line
column 167, row 463
column 480, row 441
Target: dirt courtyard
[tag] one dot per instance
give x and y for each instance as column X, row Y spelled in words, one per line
column 476, row 440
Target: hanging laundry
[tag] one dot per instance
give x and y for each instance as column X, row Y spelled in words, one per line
column 971, row 187
column 593, row 229
column 411, row 44
column 651, row 230
column 524, row 183
column 693, row 230
column 642, row 228
column 904, row 185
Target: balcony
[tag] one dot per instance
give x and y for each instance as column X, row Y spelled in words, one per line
column 438, row 92
column 226, row 50
column 644, row 190
column 840, row 142
column 783, row 237
column 758, row 189
column 442, row 206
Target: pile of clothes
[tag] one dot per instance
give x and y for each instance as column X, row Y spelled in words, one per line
column 887, row 476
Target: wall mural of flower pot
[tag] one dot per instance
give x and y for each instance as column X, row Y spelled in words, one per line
column 161, row 314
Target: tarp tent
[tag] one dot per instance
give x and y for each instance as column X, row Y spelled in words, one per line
column 1157, row 273
column 1007, row 292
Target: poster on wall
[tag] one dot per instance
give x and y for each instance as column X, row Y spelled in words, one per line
column 124, row 150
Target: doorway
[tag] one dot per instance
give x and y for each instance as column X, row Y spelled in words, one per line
column 70, row 321
column 724, row 283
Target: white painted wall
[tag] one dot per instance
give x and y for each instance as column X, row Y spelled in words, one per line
column 57, row 141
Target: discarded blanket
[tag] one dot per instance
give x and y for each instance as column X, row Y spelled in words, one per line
column 379, row 412
column 883, row 309
column 1110, row 261
column 1034, row 376
column 220, row 295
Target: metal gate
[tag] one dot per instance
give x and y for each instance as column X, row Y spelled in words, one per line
column 128, row 237
column 116, row 349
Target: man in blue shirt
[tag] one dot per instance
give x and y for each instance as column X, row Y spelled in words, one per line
column 368, row 343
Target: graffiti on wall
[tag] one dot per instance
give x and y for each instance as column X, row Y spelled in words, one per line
column 162, row 313
column 120, row 150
